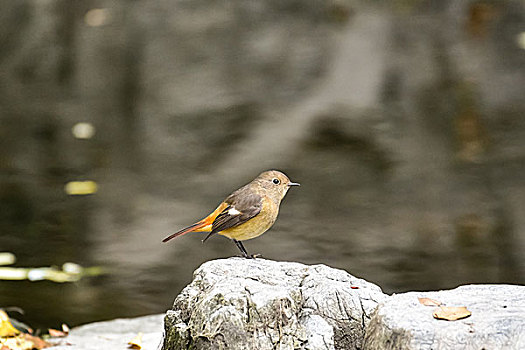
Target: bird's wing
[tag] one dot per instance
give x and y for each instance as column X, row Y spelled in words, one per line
column 240, row 209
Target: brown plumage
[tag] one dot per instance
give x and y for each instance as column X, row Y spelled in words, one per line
column 246, row 213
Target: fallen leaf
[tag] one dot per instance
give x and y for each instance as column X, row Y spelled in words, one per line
column 428, row 302
column 6, row 328
column 56, row 333
column 65, row 328
column 136, row 343
column 38, row 343
column 451, row 313
column 24, row 342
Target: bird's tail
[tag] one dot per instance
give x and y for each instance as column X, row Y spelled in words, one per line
column 204, row 225
column 196, row 227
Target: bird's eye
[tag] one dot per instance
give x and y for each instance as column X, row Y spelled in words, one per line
column 276, row 181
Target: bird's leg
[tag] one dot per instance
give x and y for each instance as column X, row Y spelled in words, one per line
column 242, row 249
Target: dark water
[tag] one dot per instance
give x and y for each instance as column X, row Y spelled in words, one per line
column 405, row 131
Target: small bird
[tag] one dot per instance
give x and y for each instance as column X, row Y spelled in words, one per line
column 246, row 213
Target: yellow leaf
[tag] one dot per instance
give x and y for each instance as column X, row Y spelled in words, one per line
column 136, row 343
column 428, row 302
column 78, row 188
column 6, row 328
column 451, row 313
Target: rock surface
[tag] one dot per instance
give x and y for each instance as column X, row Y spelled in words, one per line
column 497, row 320
column 260, row 304
column 113, row 335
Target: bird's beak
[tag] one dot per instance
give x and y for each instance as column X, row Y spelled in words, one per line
column 293, row 184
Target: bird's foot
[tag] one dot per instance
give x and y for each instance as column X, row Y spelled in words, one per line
column 250, row 256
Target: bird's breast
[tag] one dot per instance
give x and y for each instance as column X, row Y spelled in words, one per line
column 257, row 225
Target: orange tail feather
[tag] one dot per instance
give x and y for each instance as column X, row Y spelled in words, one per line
column 201, row 226
column 196, row 226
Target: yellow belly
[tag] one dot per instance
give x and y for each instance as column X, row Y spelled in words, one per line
column 256, row 226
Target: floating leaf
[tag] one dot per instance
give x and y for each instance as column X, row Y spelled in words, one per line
column 83, row 130
column 6, row 328
column 7, row 258
column 51, row 274
column 79, row 188
column 428, row 302
column 136, row 343
column 13, row 273
column 70, row 273
column 72, row 268
column 451, row 313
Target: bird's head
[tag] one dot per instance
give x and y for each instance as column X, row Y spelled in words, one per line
column 275, row 183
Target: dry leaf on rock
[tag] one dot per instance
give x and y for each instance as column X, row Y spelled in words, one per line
column 451, row 313
column 12, row 339
column 136, row 343
column 23, row 342
column 56, row 333
column 38, row 343
column 6, row 328
column 428, row 302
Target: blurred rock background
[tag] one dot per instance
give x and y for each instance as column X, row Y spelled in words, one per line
column 402, row 120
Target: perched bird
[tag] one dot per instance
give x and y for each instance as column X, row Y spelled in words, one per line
column 246, row 213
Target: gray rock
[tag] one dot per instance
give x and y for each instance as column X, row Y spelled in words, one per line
column 497, row 320
column 113, row 335
column 260, row 304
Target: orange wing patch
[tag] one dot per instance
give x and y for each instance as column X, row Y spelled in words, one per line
column 208, row 220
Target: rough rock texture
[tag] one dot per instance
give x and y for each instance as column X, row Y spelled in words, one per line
column 113, row 335
column 497, row 320
column 260, row 304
